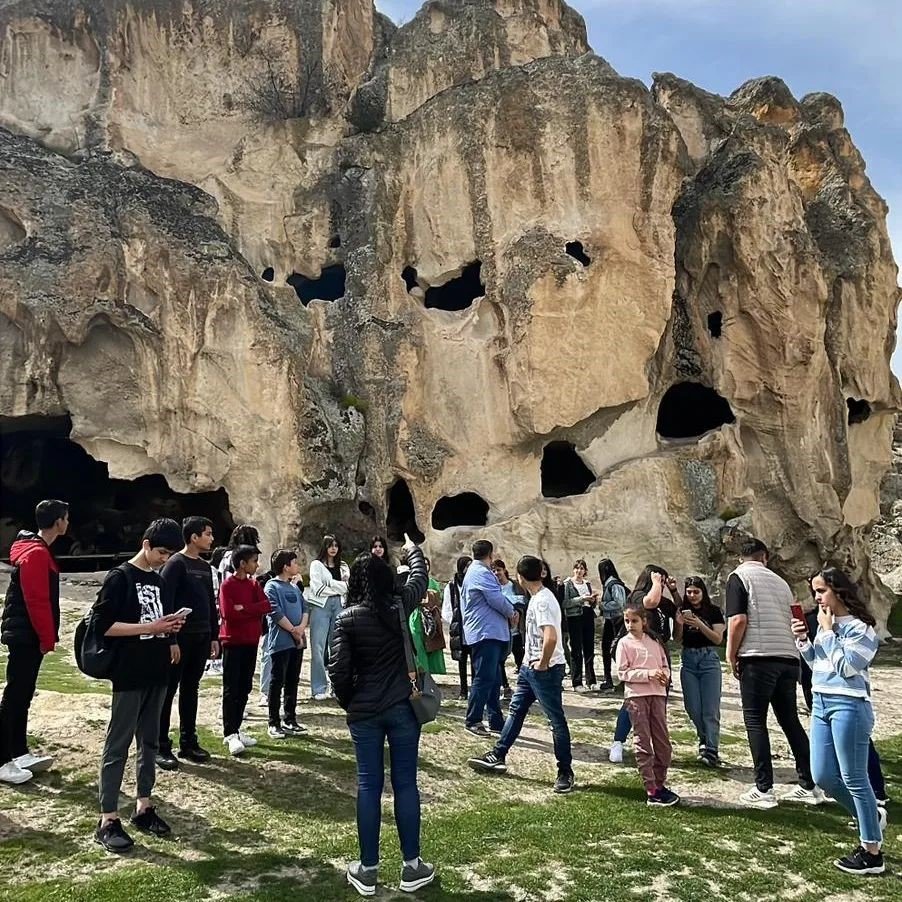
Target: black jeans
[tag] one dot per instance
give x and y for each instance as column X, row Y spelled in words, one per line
column 184, row 678
column 519, row 650
column 771, row 682
column 22, row 668
column 286, row 673
column 238, row 663
column 581, row 630
column 465, row 656
column 608, row 631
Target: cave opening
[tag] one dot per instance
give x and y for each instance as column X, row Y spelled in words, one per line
column 330, row 285
column 402, row 515
column 575, row 250
column 268, row 274
column 690, row 409
column 366, row 509
column 715, row 324
column 563, row 471
column 335, row 241
column 409, row 275
column 458, row 293
column 859, row 410
column 465, row 509
column 107, row 517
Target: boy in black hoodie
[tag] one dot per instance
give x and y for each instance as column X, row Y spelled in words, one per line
column 30, row 630
column 132, row 612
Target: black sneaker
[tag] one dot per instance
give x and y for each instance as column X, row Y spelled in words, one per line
column 293, row 728
column 710, row 759
column 489, row 762
column 606, row 686
column 496, row 731
column 194, row 753
column 663, row 798
column 417, row 876
column 861, row 862
column 478, row 729
column 150, row 822
column 463, row 695
column 112, row 837
column 564, row 784
column 166, row 760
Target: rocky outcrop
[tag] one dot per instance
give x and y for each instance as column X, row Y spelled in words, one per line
column 514, row 247
column 885, row 539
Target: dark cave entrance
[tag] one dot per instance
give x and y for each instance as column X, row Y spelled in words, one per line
column 402, row 515
column 268, row 274
column 859, row 411
column 458, row 293
column 690, row 409
column 107, row 517
column 563, row 471
column 575, row 250
column 330, row 285
column 465, row 509
column 715, row 324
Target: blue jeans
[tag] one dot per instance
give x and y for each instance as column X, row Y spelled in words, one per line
column 624, row 725
column 547, row 688
column 840, row 735
column 486, row 688
column 399, row 725
column 266, row 668
column 702, row 679
column 322, row 622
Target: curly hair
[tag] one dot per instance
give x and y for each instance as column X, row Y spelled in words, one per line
column 846, row 591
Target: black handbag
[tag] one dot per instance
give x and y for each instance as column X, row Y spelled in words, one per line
column 425, row 696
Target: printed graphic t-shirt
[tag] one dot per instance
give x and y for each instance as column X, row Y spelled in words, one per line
column 543, row 611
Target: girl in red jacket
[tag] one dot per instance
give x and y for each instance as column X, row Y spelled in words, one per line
column 242, row 605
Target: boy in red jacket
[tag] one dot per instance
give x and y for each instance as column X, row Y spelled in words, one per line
column 242, row 606
column 30, row 629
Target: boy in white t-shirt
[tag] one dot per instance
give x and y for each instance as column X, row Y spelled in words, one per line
column 541, row 679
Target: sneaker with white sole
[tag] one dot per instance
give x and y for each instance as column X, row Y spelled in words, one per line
column 234, row 743
column 363, row 879
column 275, row 733
column 13, row 774
column 805, row 796
column 881, row 818
column 754, row 798
column 321, row 697
column 861, row 862
column 414, row 877
column 488, row 762
column 615, row 755
column 247, row 741
column 37, row 764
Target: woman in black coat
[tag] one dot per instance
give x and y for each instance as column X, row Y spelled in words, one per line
column 368, row 670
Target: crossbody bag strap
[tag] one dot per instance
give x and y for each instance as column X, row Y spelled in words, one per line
column 408, row 645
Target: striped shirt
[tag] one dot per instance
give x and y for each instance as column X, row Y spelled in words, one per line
column 839, row 658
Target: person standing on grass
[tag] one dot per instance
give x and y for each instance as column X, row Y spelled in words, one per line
column 613, row 601
column 700, row 674
column 132, row 613
column 242, row 606
column 842, row 717
column 189, row 582
column 29, row 629
column 762, row 654
column 286, row 642
column 579, row 609
column 499, row 568
column 453, row 616
column 644, row 669
column 487, row 616
column 328, row 587
column 540, row 679
column 369, row 675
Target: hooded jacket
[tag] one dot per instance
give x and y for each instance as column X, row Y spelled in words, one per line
column 31, row 613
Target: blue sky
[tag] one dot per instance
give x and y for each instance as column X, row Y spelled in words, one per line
column 850, row 48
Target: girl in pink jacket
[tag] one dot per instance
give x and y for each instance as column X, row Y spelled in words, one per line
column 644, row 670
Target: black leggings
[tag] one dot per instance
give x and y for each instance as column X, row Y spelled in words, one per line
column 462, row 669
column 608, row 631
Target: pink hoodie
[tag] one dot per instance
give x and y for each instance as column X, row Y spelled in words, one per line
column 637, row 660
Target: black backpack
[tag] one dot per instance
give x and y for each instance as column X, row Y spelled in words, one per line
column 95, row 654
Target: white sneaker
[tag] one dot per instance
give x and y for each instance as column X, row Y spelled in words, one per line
column 321, row 697
column 881, row 816
column 12, row 773
column 37, row 764
column 754, row 798
column 276, row 733
column 805, row 796
column 236, row 746
column 247, row 741
column 615, row 755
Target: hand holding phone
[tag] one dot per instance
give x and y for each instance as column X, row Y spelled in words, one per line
column 797, row 612
column 181, row 613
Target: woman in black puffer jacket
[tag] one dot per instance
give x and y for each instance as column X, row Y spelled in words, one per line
column 368, row 670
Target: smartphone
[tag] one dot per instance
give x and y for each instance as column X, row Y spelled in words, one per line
column 181, row 613
column 797, row 612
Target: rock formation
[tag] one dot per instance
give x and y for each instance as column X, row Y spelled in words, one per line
column 444, row 275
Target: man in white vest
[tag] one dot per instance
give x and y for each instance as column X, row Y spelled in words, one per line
column 763, row 656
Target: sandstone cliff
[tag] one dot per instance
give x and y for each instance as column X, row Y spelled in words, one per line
column 291, row 250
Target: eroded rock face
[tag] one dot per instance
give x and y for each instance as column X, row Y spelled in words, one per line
column 623, row 241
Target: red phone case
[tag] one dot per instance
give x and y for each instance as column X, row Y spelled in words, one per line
column 797, row 612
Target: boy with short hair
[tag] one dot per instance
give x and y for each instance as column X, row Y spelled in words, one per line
column 30, row 630
column 131, row 610
column 242, row 605
column 287, row 626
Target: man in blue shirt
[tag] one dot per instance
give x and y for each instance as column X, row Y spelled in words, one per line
column 487, row 617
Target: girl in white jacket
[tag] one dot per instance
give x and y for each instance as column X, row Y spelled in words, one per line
column 328, row 587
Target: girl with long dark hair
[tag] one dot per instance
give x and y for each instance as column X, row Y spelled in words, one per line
column 613, row 601
column 370, row 680
column 328, row 587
